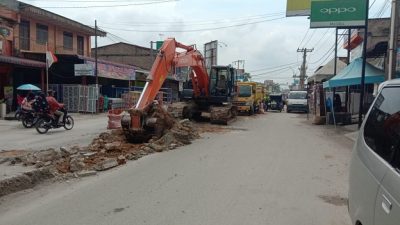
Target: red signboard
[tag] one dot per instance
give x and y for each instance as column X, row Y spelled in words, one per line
column 355, row 40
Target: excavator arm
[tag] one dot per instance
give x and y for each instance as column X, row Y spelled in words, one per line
column 167, row 59
column 140, row 119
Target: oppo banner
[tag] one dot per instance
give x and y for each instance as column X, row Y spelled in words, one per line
column 338, row 13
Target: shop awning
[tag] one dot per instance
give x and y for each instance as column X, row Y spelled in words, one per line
column 351, row 75
column 22, row 62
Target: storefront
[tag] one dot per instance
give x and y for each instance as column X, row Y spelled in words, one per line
column 343, row 90
column 15, row 72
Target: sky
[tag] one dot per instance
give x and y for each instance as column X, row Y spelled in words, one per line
column 255, row 31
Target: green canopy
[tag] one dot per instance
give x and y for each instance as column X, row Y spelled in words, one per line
column 351, row 75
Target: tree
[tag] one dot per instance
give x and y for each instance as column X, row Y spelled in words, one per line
column 246, row 77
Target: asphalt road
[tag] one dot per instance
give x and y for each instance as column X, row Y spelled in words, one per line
column 13, row 136
column 277, row 169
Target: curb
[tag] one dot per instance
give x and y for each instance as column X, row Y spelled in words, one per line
column 24, row 181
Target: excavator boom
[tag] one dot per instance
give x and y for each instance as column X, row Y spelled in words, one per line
column 167, row 59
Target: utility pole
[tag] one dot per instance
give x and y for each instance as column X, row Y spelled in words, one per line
column 393, row 40
column 95, row 63
column 364, row 62
column 151, row 50
column 95, row 53
column 238, row 62
column 303, row 68
column 336, row 50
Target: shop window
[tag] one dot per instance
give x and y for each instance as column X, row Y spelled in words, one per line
column 68, row 40
column 24, row 35
column 42, row 34
column 382, row 129
column 80, row 44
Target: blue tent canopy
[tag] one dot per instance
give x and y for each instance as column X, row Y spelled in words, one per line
column 351, row 75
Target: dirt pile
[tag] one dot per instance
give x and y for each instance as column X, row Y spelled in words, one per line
column 182, row 133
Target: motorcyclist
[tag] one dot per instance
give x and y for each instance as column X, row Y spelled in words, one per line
column 56, row 108
column 27, row 102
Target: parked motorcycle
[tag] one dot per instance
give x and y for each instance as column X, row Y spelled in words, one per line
column 47, row 121
column 18, row 113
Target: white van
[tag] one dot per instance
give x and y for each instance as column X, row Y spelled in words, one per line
column 297, row 101
column 374, row 183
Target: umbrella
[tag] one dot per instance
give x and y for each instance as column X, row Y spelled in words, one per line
column 28, row 87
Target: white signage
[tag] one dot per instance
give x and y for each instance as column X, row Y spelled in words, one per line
column 211, row 54
column 83, row 70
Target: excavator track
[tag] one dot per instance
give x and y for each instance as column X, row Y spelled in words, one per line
column 223, row 114
column 179, row 110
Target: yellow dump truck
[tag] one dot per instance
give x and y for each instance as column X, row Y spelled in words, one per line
column 250, row 95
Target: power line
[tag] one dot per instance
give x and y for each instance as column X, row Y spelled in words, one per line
column 312, row 35
column 271, row 68
column 194, row 30
column 322, row 37
column 108, row 6
column 200, row 22
column 304, row 37
column 272, row 71
column 330, row 49
column 372, row 4
column 84, row 1
column 385, row 4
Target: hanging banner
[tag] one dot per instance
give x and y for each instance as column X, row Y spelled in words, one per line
column 338, row 13
column 298, row 8
column 112, row 70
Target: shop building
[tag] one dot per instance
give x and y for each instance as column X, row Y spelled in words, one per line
column 27, row 33
column 340, row 93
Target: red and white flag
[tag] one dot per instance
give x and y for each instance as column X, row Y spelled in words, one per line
column 50, row 58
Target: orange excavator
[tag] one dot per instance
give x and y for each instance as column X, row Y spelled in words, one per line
column 209, row 94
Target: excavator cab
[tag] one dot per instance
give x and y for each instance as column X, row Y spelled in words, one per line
column 222, row 83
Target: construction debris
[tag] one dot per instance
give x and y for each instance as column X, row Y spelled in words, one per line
column 106, row 164
column 108, row 150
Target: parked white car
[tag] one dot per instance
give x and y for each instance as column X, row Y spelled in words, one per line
column 374, row 183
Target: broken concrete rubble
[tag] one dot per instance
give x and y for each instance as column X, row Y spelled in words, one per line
column 77, row 164
column 106, row 164
column 24, row 181
column 86, row 173
column 108, row 150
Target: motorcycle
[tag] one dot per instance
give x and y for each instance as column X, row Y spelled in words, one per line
column 47, row 121
column 18, row 113
column 28, row 118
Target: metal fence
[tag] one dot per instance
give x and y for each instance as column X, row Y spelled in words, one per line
column 80, row 98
